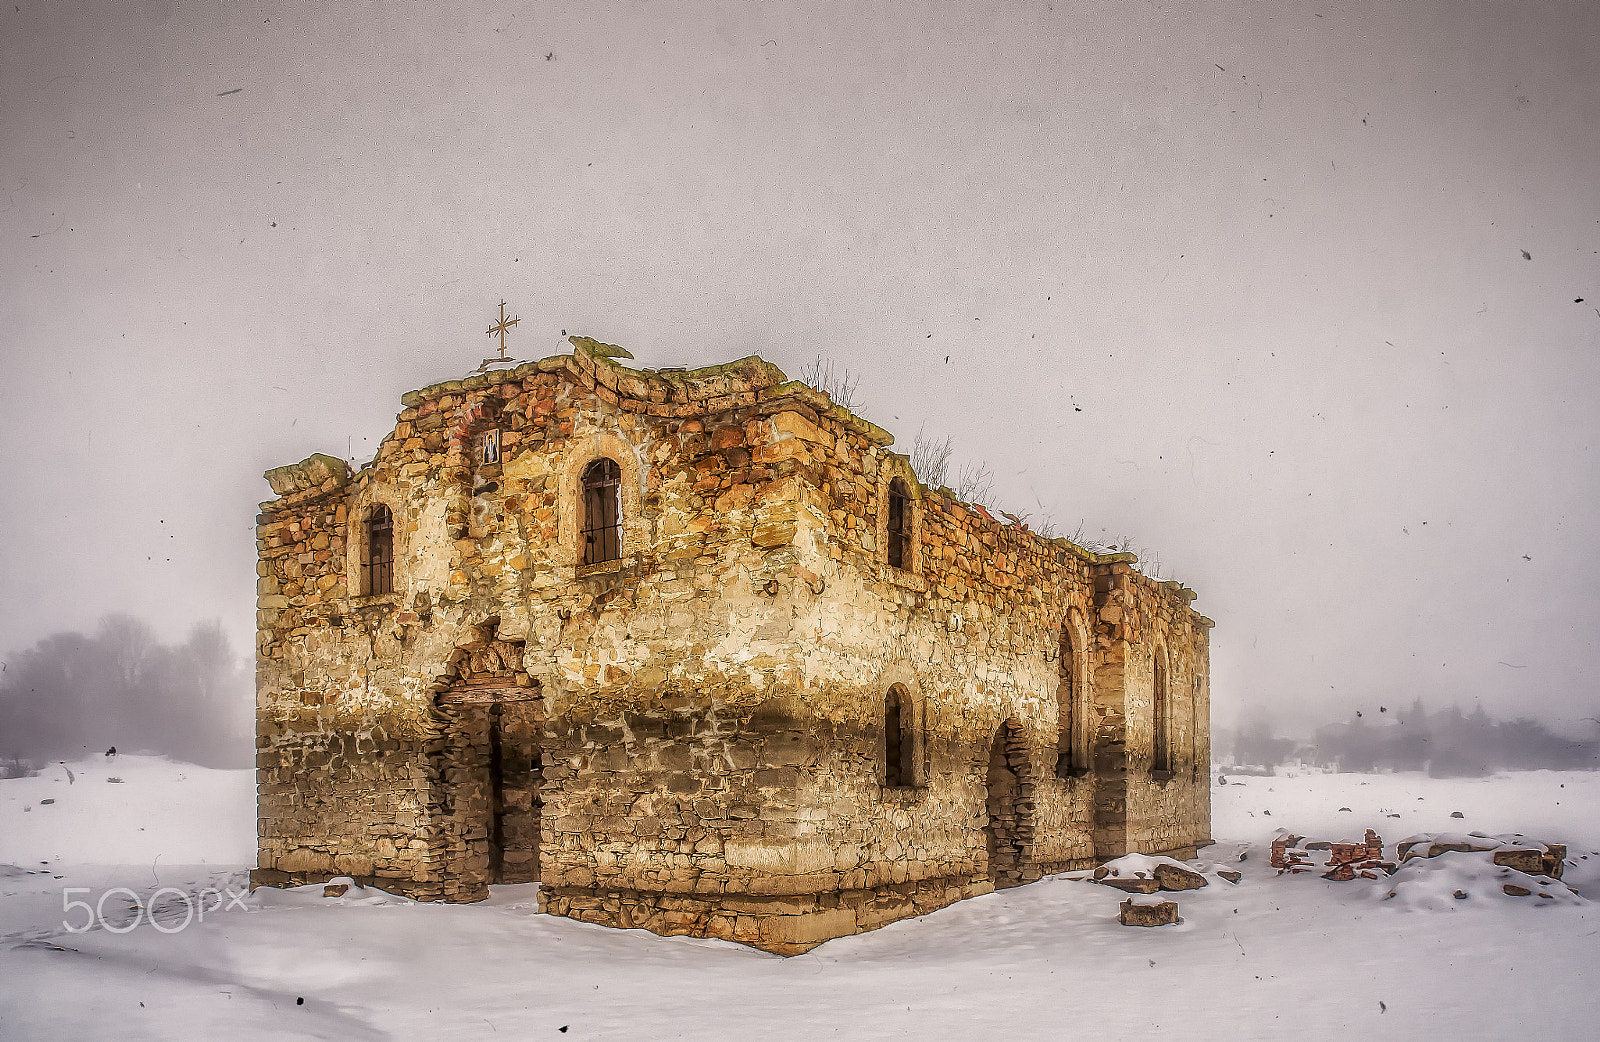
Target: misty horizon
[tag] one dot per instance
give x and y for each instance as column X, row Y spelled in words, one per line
column 117, row 687
column 1299, row 303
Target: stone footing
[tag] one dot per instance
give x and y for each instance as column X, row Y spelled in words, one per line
column 402, row 887
column 1075, row 864
column 786, row 925
column 782, row 925
column 1179, row 853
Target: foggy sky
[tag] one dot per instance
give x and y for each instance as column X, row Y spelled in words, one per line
column 1242, row 283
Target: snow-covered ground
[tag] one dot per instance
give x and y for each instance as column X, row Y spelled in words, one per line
column 1271, row 957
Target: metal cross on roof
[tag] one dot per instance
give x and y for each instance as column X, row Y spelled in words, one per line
column 499, row 327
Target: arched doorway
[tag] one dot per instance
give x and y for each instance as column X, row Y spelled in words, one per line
column 489, row 770
column 1008, row 825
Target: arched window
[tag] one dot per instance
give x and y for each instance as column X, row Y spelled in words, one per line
column 1194, row 728
column 377, row 570
column 899, row 527
column 1161, row 750
column 602, row 512
column 896, row 740
column 1067, row 721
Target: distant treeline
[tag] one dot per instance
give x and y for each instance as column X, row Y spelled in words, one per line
column 1446, row 743
column 73, row 694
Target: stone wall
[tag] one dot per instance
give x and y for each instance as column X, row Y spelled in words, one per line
column 698, row 727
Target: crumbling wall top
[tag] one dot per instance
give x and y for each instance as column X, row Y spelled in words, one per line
column 748, row 382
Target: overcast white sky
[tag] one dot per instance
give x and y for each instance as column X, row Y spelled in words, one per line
column 1245, row 283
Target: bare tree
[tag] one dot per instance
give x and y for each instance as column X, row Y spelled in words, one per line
column 125, row 644
column 974, row 482
column 930, row 459
column 1045, row 527
column 1044, row 524
column 1148, row 561
column 839, row 384
column 1093, row 545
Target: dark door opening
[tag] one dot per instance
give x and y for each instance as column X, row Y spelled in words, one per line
column 515, row 775
column 1002, row 828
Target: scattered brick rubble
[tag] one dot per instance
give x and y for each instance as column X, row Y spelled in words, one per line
column 1346, row 861
column 1292, row 854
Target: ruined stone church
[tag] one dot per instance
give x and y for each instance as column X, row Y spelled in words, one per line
column 697, row 651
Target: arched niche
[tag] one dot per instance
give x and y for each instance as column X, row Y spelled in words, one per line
column 358, row 510
column 900, row 679
column 583, row 451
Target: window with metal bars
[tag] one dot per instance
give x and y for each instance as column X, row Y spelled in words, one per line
column 899, row 528
column 378, row 569
column 602, row 512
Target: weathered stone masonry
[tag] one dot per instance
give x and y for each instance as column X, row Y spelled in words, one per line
column 691, row 738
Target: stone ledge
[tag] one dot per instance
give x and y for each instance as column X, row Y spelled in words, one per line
column 902, row 795
column 317, row 471
column 371, row 600
column 584, row 571
column 905, row 580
